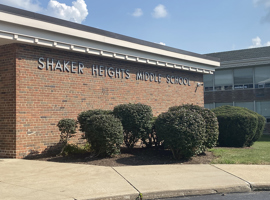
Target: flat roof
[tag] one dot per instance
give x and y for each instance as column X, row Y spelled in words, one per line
column 13, row 16
column 243, row 57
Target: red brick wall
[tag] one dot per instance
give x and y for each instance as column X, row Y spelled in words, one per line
column 46, row 96
column 7, row 101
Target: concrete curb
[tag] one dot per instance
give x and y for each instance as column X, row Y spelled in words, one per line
column 123, row 197
column 260, row 187
column 185, row 193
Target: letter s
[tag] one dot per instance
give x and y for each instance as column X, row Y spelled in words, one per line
column 40, row 61
column 168, row 79
column 127, row 74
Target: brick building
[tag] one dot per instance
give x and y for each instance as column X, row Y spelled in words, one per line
column 52, row 69
column 243, row 79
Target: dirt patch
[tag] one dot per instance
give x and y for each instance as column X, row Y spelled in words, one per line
column 136, row 156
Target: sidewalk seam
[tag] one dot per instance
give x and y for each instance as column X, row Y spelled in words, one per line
column 234, row 176
column 126, row 180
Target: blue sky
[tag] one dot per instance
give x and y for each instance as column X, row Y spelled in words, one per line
column 201, row 26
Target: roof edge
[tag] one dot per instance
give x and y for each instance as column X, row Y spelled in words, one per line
column 45, row 18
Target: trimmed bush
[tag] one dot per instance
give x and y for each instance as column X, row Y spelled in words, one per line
column 83, row 116
column 182, row 131
column 105, row 134
column 211, row 123
column 260, row 128
column 67, row 127
column 237, row 126
column 136, row 120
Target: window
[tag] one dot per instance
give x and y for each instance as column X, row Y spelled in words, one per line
column 243, row 78
column 209, row 105
column 223, row 80
column 223, row 104
column 263, row 108
column 262, row 77
column 208, row 82
column 248, row 105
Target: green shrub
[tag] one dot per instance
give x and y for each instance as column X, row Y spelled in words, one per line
column 211, row 123
column 136, row 120
column 237, row 126
column 83, row 116
column 105, row 134
column 260, row 128
column 73, row 149
column 182, row 131
column 152, row 137
column 67, row 127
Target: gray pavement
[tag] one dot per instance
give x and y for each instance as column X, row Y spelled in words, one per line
column 41, row 180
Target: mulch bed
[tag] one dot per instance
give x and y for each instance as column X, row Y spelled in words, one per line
column 130, row 157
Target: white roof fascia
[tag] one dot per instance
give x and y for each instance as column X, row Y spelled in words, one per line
column 23, row 29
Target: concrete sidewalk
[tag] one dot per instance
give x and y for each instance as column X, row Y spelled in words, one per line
column 41, row 180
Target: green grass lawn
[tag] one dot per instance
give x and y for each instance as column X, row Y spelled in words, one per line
column 259, row 153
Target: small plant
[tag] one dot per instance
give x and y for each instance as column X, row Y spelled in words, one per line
column 182, row 131
column 136, row 120
column 105, row 134
column 140, row 197
column 67, row 127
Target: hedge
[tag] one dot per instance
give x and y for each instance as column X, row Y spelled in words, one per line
column 83, row 116
column 237, row 126
column 105, row 134
column 136, row 120
column 211, row 123
column 182, row 132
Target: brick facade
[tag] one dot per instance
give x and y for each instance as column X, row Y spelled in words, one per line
column 43, row 97
column 7, row 101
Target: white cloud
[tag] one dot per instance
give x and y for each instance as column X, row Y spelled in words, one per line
column 160, row 11
column 137, row 13
column 76, row 13
column 162, row 43
column 32, row 5
column 267, row 43
column 257, row 42
column 266, row 4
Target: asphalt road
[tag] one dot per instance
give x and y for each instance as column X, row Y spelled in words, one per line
column 236, row 196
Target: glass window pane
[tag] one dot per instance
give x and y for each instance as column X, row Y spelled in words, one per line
column 209, row 105
column 223, row 104
column 208, row 82
column 248, row 105
column 263, row 108
column 262, row 77
column 243, row 78
column 223, row 80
